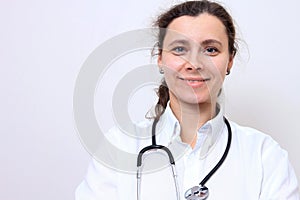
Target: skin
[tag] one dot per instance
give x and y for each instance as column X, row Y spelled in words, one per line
column 195, row 59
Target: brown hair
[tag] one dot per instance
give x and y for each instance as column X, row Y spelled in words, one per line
column 190, row 8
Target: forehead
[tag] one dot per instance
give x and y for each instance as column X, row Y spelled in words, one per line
column 198, row 28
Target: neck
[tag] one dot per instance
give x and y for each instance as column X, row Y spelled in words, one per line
column 191, row 117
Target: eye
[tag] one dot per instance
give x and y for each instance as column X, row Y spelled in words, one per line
column 211, row 51
column 179, row 50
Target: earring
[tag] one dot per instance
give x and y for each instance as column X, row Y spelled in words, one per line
column 161, row 71
column 228, row 72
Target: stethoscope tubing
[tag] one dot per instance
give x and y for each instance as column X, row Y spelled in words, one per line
column 154, row 146
column 218, row 165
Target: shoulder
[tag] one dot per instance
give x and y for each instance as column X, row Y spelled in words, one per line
column 251, row 135
column 129, row 137
column 133, row 129
column 278, row 179
column 257, row 145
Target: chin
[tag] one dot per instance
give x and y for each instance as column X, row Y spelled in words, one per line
column 197, row 99
column 190, row 97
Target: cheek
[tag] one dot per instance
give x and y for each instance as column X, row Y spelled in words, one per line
column 220, row 67
column 170, row 62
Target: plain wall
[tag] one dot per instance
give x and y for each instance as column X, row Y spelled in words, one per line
column 44, row 43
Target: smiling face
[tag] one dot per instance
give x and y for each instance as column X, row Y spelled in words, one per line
column 195, row 58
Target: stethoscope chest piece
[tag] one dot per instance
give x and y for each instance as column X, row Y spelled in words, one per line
column 197, row 193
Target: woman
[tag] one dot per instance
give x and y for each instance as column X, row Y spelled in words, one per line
column 196, row 49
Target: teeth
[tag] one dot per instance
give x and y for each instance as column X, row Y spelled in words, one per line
column 203, row 80
column 195, row 80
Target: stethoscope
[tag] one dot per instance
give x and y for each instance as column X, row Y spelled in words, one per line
column 199, row 192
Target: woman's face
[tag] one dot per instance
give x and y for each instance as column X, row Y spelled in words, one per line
column 195, row 58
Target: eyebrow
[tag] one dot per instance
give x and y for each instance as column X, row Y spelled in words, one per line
column 211, row 41
column 205, row 42
column 179, row 41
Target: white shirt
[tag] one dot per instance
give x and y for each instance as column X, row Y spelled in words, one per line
column 256, row 167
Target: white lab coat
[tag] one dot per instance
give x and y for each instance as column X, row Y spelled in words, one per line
column 256, row 168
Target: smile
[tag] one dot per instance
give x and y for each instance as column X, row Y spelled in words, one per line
column 194, row 79
column 195, row 82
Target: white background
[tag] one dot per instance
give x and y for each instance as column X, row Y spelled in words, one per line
column 44, row 43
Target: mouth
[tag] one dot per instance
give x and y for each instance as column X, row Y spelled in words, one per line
column 194, row 80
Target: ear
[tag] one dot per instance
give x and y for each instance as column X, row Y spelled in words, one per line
column 230, row 63
column 159, row 61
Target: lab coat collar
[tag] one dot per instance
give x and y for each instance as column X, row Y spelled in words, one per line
column 209, row 132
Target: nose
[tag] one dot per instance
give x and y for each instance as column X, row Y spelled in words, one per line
column 194, row 62
column 191, row 67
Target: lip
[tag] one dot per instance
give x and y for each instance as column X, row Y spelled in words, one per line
column 194, row 82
